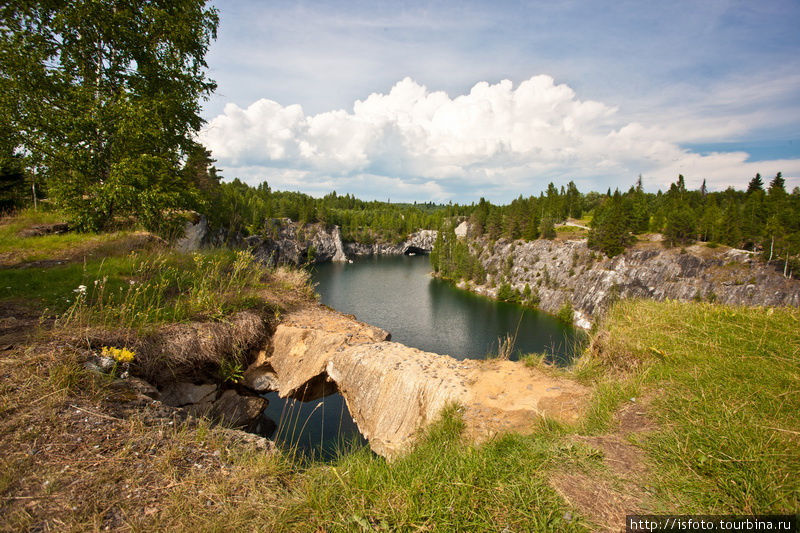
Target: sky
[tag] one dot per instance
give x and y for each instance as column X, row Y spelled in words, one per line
column 457, row 100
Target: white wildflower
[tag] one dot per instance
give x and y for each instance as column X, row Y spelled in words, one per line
column 81, row 290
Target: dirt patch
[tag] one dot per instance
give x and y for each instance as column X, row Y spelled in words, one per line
column 44, row 229
column 82, row 452
column 106, row 461
column 18, row 323
column 596, row 498
column 606, row 497
column 507, row 396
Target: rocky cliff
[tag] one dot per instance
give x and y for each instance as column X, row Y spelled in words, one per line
column 286, row 242
column 560, row 272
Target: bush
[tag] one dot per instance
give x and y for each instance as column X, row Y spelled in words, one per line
column 505, row 293
column 565, row 313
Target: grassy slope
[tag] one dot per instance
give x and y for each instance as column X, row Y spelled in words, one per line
column 723, row 385
column 726, row 388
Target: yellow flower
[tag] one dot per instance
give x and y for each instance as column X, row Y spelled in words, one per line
column 120, row 355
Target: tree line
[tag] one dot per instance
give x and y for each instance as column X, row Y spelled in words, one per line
column 100, row 101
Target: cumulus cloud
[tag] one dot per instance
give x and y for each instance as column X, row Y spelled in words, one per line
column 497, row 141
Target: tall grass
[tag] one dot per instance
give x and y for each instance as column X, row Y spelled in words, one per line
column 166, row 287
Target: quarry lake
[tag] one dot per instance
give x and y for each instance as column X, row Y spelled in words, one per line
column 398, row 294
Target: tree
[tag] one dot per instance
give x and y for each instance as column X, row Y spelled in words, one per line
column 13, row 185
column 777, row 183
column 609, row 227
column 104, row 96
column 547, row 229
column 755, row 184
column 680, row 225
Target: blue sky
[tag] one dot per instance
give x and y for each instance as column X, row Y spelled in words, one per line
column 597, row 92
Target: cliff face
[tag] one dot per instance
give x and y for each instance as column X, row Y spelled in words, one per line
column 568, row 271
column 288, row 242
column 419, row 242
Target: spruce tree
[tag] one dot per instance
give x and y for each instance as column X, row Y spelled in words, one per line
column 755, row 184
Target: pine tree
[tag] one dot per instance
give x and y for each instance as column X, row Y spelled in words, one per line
column 680, row 228
column 755, row 184
column 609, row 228
column 547, row 229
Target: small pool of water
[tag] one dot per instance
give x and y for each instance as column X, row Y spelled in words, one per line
column 398, row 294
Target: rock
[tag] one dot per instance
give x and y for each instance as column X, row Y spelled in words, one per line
column 260, row 378
column 421, row 241
column 234, row 410
column 182, row 394
column 106, row 364
column 462, row 229
column 393, row 391
column 568, row 271
column 44, row 229
column 141, row 387
column 286, row 242
column 193, row 235
column 339, row 255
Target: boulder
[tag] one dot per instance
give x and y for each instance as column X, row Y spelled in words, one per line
column 234, row 410
column 182, row 394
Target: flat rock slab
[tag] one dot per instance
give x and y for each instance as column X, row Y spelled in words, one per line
column 393, row 391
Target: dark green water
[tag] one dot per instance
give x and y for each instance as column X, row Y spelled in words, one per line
column 399, row 295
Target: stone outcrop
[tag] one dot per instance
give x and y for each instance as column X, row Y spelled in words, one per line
column 393, row 391
column 193, row 234
column 339, row 255
column 568, row 271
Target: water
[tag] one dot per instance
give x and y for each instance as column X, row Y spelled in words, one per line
column 398, row 294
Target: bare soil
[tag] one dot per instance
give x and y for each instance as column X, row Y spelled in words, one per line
column 607, row 496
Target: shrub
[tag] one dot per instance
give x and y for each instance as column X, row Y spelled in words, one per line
column 565, row 313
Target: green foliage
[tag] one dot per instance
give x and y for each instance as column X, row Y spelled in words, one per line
column 565, row 313
column 506, row 294
column 14, row 186
column 104, row 97
column 231, row 371
column 680, row 227
column 731, row 217
column 547, row 229
column 610, row 231
column 452, row 259
column 139, row 290
column 240, row 208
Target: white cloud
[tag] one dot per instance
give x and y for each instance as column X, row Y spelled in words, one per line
column 498, row 140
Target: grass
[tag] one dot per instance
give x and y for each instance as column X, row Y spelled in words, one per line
column 70, row 246
column 461, row 487
column 566, row 233
column 131, row 279
column 141, row 290
column 721, row 382
column 78, row 452
column 726, row 388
